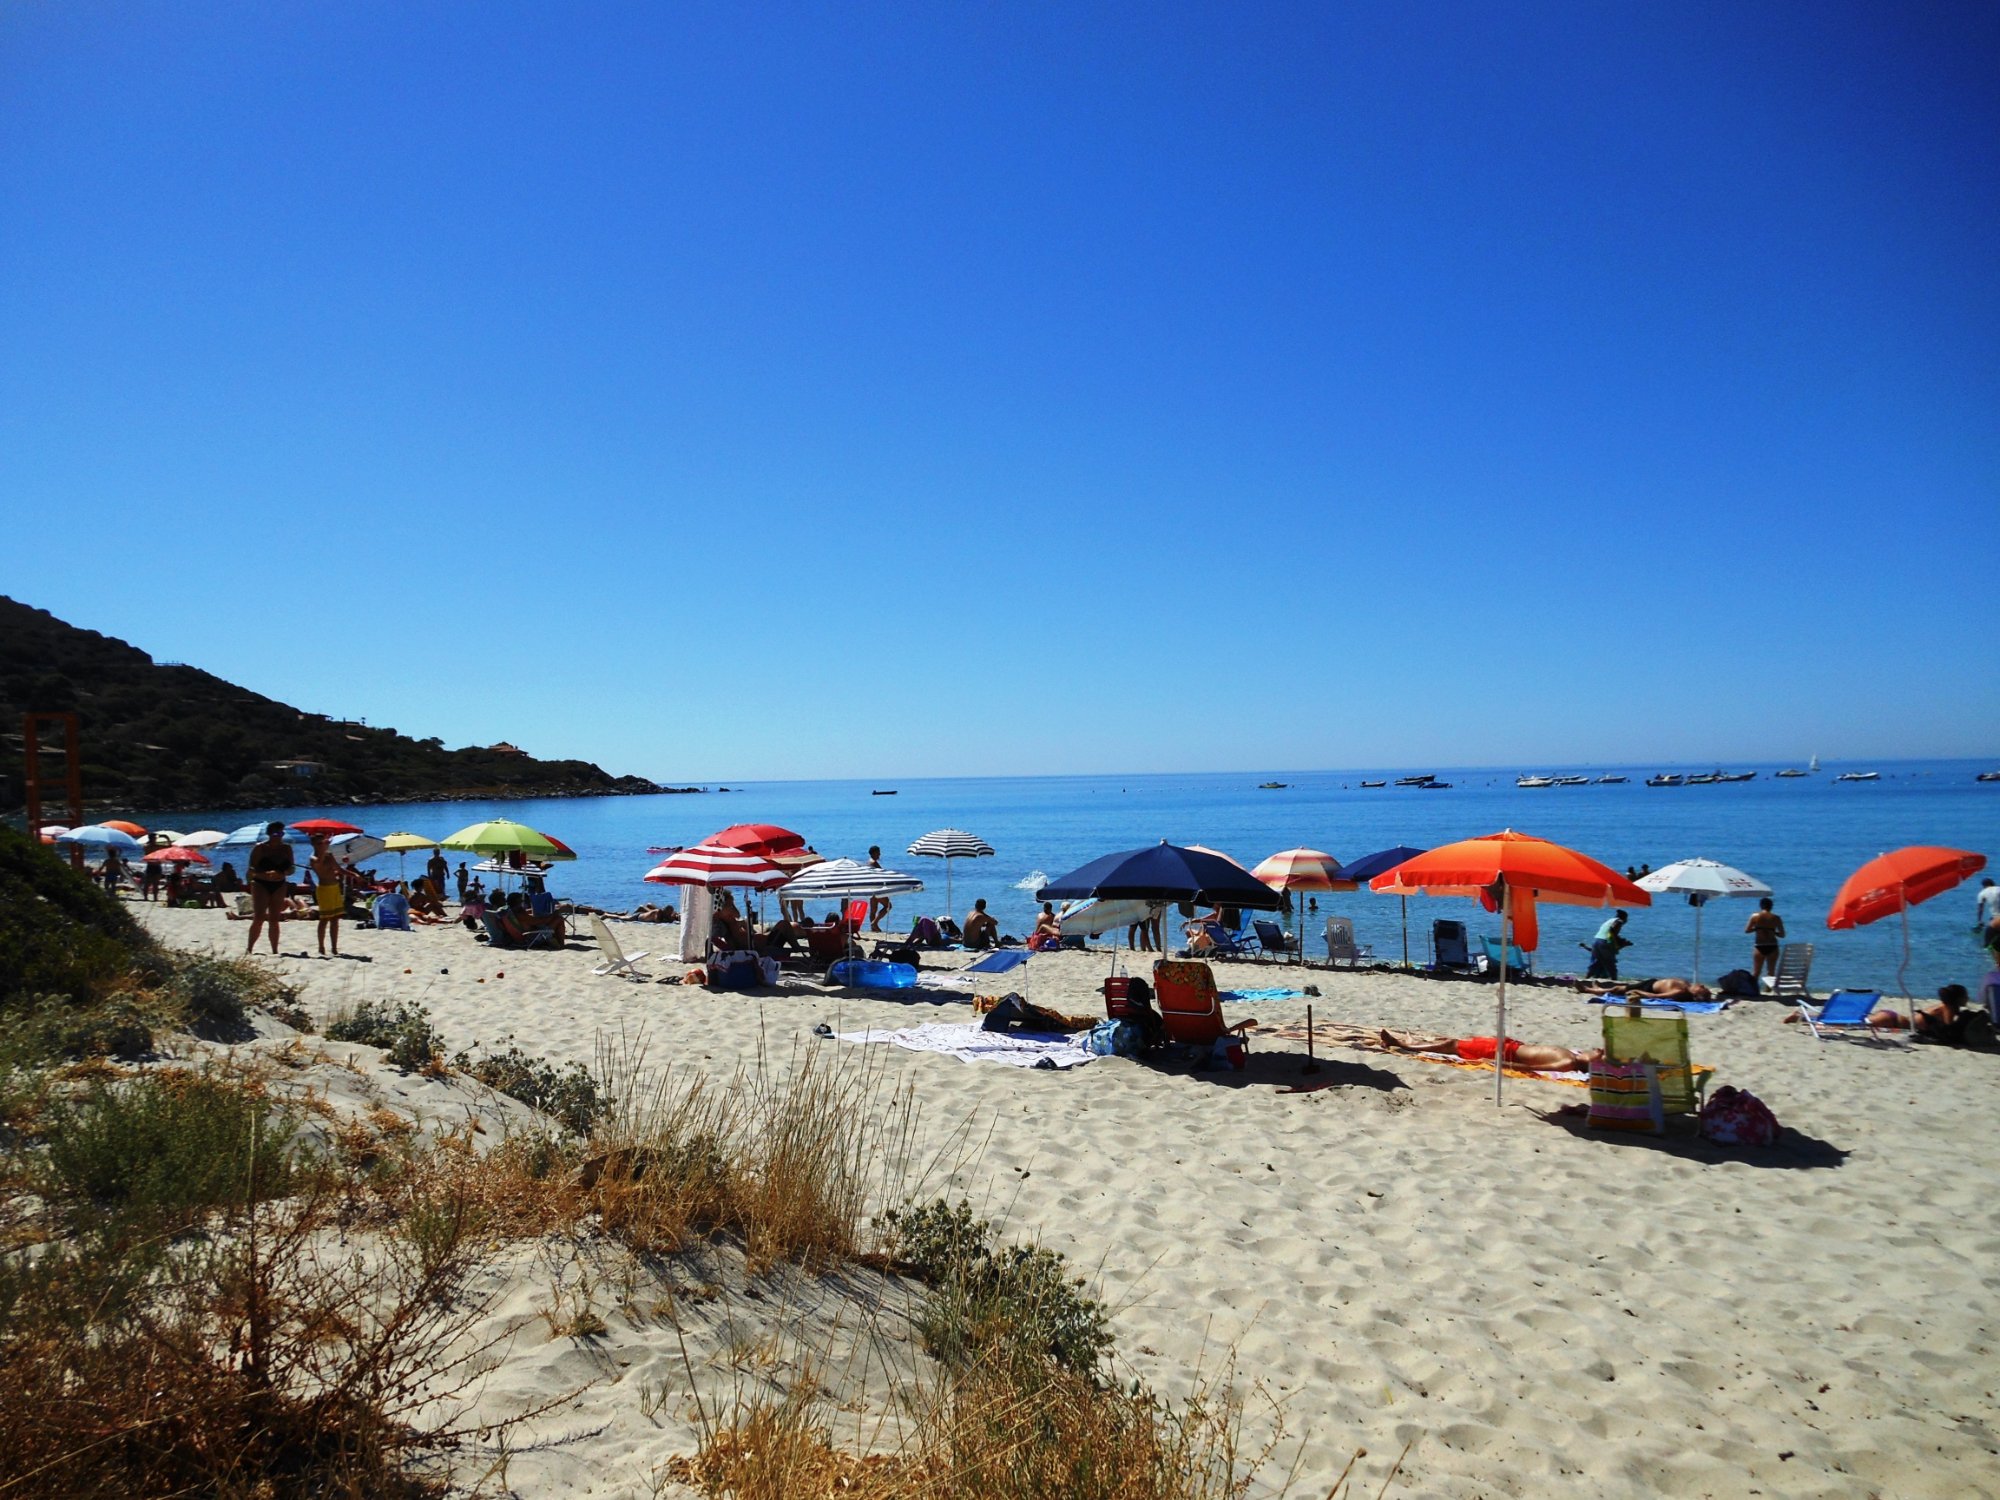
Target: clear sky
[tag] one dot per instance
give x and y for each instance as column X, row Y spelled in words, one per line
column 735, row 391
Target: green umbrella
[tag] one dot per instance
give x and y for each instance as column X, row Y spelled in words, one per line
column 502, row 836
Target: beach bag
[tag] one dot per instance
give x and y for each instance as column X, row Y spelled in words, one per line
column 1737, row 984
column 1976, row 1029
column 1113, row 1039
column 735, row 971
column 1737, row 1117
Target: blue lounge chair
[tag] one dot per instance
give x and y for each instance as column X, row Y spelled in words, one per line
column 1518, row 964
column 1272, row 938
column 1228, row 944
column 391, row 912
column 1449, row 949
column 1846, row 1013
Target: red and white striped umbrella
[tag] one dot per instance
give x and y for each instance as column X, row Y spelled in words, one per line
column 712, row 865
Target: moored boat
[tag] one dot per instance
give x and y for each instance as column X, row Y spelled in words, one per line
column 1987, row 776
column 1859, row 776
column 1666, row 778
column 1572, row 781
column 1534, row 781
column 1374, row 783
column 1613, row 780
column 1789, row 772
column 1424, row 780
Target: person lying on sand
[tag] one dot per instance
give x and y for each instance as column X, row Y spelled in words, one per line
column 1538, row 1059
column 1663, row 989
column 1943, row 1022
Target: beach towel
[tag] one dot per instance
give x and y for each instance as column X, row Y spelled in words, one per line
column 1273, row 992
column 1661, row 1002
column 971, row 1044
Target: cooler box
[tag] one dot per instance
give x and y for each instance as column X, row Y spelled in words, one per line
column 871, row 974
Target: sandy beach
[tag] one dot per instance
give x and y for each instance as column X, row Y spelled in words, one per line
column 1542, row 1309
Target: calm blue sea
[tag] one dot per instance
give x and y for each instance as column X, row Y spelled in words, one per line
column 1802, row 837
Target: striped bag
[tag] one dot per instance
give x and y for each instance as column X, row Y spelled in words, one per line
column 1626, row 1096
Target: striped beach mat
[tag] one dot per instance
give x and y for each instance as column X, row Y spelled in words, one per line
column 1626, row 1096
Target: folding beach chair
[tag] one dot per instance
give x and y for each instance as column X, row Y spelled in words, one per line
column 1846, row 1013
column 1190, row 1005
column 1272, row 938
column 391, row 913
column 1788, row 982
column 1340, row 945
column 1226, row 942
column 616, row 959
column 1518, row 964
column 1645, row 1075
column 1449, row 949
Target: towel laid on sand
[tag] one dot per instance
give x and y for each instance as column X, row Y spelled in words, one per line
column 1661, row 1002
column 1274, row 992
column 971, row 1044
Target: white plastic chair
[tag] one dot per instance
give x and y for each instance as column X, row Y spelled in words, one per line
column 1340, row 945
column 616, row 959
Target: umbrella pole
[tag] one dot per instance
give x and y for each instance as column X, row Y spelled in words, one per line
column 1902, row 983
column 1699, row 907
column 1500, row 1019
column 1406, row 932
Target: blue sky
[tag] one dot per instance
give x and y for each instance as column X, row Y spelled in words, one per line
column 733, row 392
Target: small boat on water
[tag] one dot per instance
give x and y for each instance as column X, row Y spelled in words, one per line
column 1424, row 780
column 1987, row 776
column 1706, row 778
column 1859, row 776
column 1613, row 780
column 1666, row 778
column 1789, row 772
column 890, row 793
column 1434, row 785
column 1374, row 783
column 1534, row 781
column 1738, row 776
column 1272, row 786
column 1572, row 781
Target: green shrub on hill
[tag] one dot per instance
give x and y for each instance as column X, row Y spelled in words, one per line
column 61, row 937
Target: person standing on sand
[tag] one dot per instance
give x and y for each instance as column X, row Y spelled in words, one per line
column 1986, row 906
column 329, row 895
column 463, row 879
column 878, row 907
column 1767, row 931
column 271, row 866
column 438, row 870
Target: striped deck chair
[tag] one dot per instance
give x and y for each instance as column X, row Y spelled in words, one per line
column 1645, row 1075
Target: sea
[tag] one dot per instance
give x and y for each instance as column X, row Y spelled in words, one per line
column 1802, row 837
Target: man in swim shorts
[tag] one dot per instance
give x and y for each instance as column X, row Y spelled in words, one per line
column 271, row 866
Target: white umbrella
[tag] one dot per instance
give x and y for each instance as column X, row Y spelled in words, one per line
column 949, row 844
column 352, row 848
column 1091, row 917
column 1701, row 881
column 95, row 836
column 205, row 838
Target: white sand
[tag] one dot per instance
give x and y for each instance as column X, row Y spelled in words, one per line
column 1546, row 1310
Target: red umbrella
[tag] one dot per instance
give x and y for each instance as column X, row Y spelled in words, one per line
column 1501, row 869
column 766, row 839
column 176, row 855
column 712, row 865
column 1895, row 882
column 563, row 851
column 327, row 826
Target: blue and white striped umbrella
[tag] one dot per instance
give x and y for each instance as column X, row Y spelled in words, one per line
column 949, row 844
column 96, row 836
column 847, row 879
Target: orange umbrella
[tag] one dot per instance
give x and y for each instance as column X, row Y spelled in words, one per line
column 1892, row 883
column 1508, row 872
column 123, row 827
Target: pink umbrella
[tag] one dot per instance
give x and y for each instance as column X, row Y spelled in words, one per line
column 176, row 854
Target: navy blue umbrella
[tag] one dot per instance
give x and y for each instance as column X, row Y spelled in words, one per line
column 1381, row 862
column 1164, row 872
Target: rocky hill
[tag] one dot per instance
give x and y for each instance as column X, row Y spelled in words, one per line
column 160, row 736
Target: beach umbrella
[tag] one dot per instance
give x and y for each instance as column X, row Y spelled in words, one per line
column 1093, row 918
column 177, row 854
column 165, row 836
column 352, row 848
column 50, row 832
column 1509, row 872
column 500, row 837
column 1701, row 881
column 847, row 880
column 123, row 827
column 757, row 838
column 100, row 836
column 1890, row 884
column 252, row 834
column 204, row 838
column 713, row 865
column 949, row 844
column 402, row 844
column 1302, row 870
column 327, row 826
column 563, row 851
column 1164, row 872
column 1366, row 868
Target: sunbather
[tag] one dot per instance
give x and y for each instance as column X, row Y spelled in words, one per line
column 1048, row 930
column 518, row 922
column 1666, row 989
column 981, row 931
column 1539, row 1059
column 1943, row 1022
